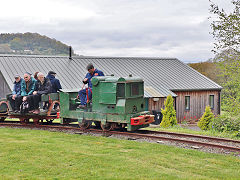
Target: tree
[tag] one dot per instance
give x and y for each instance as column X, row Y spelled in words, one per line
column 208, row 69
column 206, row 119
column 226, row 31
column 33, row 41
column 226, row 27
column 17, row 44
column 4, row 48
column 229, row 67
column 169, row 113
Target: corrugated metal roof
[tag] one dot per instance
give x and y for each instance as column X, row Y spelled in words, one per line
column 163, row 74
column 149, row 91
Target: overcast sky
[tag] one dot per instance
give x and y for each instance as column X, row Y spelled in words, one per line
column 149, row 28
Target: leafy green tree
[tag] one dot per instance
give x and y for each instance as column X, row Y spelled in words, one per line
column 226, row 31
column 226, row 26
column 169, row 113
column 229, row 68
column 206, row 119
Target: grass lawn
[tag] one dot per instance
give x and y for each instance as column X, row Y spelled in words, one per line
column 37, row 154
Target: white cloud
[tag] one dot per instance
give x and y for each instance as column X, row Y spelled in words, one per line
column 169, row 28
column 44, row 10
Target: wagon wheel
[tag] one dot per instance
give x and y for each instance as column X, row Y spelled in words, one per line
column 97, row 124
column 108, row 126
column 24, row 120
column 49, row 121
column 6, row 104
column 36, row 121
column 85, row 124
column 2, row 119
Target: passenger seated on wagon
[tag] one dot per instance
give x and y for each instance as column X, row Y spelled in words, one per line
column 35, row 75
column 16, row 93
column 43, row 86
column 27, row 88
column 56, row 85
column 87, row 80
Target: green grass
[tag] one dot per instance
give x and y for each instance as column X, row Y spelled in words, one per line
column 36, row 154
column 191, row 131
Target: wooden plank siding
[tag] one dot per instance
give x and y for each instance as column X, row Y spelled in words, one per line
column 198, row 102
column 155, row 105
column 4, row 88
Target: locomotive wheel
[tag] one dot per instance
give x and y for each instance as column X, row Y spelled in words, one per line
column 85, row 124
column 122, row 127
column 97, row 124
column 108, row 126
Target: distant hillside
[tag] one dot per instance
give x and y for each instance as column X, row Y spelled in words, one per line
column 208, row 69
column 31, row 43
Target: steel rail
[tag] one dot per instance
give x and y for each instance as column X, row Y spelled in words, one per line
column 189, row 135
column 207, row 144
column 128, row 134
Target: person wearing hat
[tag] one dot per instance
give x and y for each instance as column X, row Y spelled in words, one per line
column 56, row 86
column 15, row 93
column 87, row 80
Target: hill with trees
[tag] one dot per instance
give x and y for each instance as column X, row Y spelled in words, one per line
column 31, row 43
column 208, row 68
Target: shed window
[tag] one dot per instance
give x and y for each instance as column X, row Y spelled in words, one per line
column 211, row 101
column 187, row 102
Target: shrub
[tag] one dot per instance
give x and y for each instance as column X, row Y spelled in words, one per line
column 226, row 123
column 169, row 113
column 206, row 119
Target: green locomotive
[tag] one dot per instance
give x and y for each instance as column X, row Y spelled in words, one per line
column 116, row 103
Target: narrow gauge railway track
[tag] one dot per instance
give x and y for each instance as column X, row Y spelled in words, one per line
column 217, row 139
column 141, row 134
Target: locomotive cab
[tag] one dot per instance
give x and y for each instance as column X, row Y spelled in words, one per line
column 123, row 99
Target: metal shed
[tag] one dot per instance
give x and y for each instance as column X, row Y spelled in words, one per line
column 162, row 76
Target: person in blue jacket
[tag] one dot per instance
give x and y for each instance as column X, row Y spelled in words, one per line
column 87, row 80
column 56, row 86
column 27, row 88
column 15, row 93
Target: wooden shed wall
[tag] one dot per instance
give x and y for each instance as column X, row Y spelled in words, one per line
column 198, row 102
column 4, row 88
column 155, row 105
